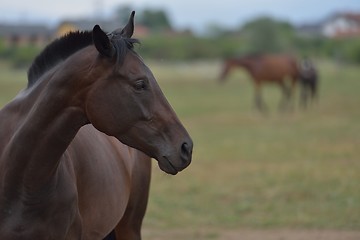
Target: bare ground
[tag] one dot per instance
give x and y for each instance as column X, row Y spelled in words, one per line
column 246, row 234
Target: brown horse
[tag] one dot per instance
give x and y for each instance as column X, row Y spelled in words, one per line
column 264, row 68
column 65, row 172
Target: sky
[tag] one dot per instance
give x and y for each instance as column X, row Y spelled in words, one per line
column 183, row 14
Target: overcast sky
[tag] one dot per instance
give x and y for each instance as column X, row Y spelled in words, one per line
column 183, row 13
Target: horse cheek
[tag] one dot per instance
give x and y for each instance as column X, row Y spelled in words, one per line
column 101, row 111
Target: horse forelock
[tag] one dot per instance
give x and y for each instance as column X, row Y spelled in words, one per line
column 62, row 48
column 122, row 46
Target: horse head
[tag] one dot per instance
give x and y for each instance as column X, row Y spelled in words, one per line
column 126, row 102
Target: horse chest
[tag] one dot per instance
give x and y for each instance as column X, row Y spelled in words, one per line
column 49, row 221
column 48, row 216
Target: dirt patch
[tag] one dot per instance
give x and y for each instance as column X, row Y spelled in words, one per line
column 244, row 234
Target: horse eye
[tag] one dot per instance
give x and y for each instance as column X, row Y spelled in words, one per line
column 140, row 85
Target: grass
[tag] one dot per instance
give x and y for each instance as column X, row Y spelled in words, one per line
column 283, row 170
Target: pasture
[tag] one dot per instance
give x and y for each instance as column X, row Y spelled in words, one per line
column 297, row 170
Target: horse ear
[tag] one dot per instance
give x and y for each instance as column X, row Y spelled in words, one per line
column 128, row 30
column 102, row 42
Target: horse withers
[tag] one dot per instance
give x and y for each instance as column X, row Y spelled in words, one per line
column 75, row 145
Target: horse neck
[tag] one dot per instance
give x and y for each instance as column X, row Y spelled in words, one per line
column 239, row 62
column 245, row 63
column 47, row 128
column 229, row 65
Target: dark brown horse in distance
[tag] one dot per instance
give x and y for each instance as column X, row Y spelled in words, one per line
column 309, row 80
column 265, row 68
column 75, row 145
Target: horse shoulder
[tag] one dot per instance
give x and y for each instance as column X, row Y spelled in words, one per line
column 107, row 174
column 32, row 216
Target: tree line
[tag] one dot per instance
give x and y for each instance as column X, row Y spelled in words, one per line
column 260, row 35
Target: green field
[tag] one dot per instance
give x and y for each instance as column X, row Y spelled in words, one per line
column 298, row 169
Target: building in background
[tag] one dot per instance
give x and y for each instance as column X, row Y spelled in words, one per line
column 22, row 35
column 342, row 25
column 338, row 25
column 14, row 35
column 88, row 24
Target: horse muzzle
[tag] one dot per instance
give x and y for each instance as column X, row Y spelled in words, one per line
column 174, row 163
column 172, row 156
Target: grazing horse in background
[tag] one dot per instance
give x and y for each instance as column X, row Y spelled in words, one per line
column 75, row 145
column 309, row 81
column 264, row 68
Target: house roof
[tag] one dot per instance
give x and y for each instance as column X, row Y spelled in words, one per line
column 350, row 16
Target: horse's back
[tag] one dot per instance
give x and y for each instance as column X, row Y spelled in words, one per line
column 278, row 67
column 107, row 175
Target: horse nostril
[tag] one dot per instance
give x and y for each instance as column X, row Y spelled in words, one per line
column 186, row 151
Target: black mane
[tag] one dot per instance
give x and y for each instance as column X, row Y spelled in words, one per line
column 57, row 51
column 62, row 48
